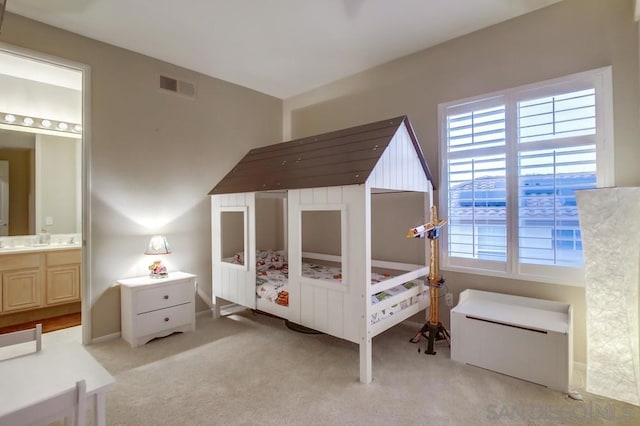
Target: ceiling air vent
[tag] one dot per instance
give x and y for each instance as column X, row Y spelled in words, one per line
column 179, row 87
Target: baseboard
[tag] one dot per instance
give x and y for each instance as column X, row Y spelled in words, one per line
column 205, row 297
column 106, row 338
column 207, row 301
column 578, row 378
column 231, row 308
column 205, row 312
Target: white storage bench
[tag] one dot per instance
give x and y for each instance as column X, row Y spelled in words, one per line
column 527, row 338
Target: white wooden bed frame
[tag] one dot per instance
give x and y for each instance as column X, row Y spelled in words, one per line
column 343, row 311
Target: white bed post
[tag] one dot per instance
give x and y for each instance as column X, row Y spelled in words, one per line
column 362, row 245
column 366, row 364
column 215, row 251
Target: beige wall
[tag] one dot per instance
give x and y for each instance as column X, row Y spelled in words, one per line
column 568, row 37
column 320, row 231
column 154, row 157
column 232, row 235
column 269, row 223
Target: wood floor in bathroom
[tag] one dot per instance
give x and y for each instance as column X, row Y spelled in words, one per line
column 49, row 324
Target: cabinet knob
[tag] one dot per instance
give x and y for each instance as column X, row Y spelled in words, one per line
column 166, row 296
column 166, row 319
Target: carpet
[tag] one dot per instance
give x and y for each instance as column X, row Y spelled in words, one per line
column 247, row 369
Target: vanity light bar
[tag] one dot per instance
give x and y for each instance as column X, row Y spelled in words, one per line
column 41, row 123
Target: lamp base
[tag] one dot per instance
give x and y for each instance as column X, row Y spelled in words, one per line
column 160, row 275
column 157, row 270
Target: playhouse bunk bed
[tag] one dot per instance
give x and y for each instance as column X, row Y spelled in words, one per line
column 293, row 232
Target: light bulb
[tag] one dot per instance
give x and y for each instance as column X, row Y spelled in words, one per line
column 9, row 118
column 63, row 126
column 28, row 121
column 46, row 123
column 77, row 128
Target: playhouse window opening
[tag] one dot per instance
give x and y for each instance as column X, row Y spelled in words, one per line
column 322, row 242
column 233, row 237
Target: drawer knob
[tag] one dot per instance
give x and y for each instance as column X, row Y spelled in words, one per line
column 166, row 319
column 166, row 296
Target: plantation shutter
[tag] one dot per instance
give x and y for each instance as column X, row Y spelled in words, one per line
column 556, row 156
column 476, row 180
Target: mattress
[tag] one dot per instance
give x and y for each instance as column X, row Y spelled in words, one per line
column 271, row 282
column 272, row 277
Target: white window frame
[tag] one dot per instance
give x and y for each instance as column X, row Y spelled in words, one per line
column 601, row 80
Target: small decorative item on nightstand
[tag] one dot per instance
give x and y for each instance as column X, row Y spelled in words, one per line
column 158, row 245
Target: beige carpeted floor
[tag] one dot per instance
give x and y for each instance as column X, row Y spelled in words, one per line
column 248, row 369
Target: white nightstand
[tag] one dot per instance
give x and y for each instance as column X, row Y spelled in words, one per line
column 156, row 307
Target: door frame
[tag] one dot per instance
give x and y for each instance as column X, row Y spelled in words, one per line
column 4, row 197
column 85, row 270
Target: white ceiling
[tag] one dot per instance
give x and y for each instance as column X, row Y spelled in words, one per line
column 278, row 47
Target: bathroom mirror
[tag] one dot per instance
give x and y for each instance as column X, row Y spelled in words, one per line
column 40, row 147
column 40, row 177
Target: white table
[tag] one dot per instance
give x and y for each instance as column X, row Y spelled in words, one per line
column 31, row 378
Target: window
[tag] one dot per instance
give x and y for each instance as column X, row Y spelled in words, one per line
column 512, row 162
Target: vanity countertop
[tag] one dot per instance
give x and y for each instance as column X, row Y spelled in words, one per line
column 38, row 248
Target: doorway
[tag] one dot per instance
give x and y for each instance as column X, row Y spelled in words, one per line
column 44, row 111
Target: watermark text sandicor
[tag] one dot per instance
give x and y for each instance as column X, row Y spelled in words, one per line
column 591, row 410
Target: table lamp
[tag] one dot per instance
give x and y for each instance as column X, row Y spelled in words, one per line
column 157, row 246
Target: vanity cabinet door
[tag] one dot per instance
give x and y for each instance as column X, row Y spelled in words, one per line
column 21, row 290
column 63, row 284
column 63, row 277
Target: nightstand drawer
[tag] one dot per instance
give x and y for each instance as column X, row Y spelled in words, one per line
column 165, row 319
column 165, row 296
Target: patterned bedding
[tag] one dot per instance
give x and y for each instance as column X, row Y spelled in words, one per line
column 272, row 276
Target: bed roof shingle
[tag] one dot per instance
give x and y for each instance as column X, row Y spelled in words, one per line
column 342, row 157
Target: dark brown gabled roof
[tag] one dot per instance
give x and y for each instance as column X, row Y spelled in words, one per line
column 342, row 157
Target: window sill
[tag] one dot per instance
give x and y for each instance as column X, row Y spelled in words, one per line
column 573, row 278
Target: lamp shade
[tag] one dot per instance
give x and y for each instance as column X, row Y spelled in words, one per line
column 158, row 245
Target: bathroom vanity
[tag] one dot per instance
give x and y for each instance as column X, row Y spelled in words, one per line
column 34, row 277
